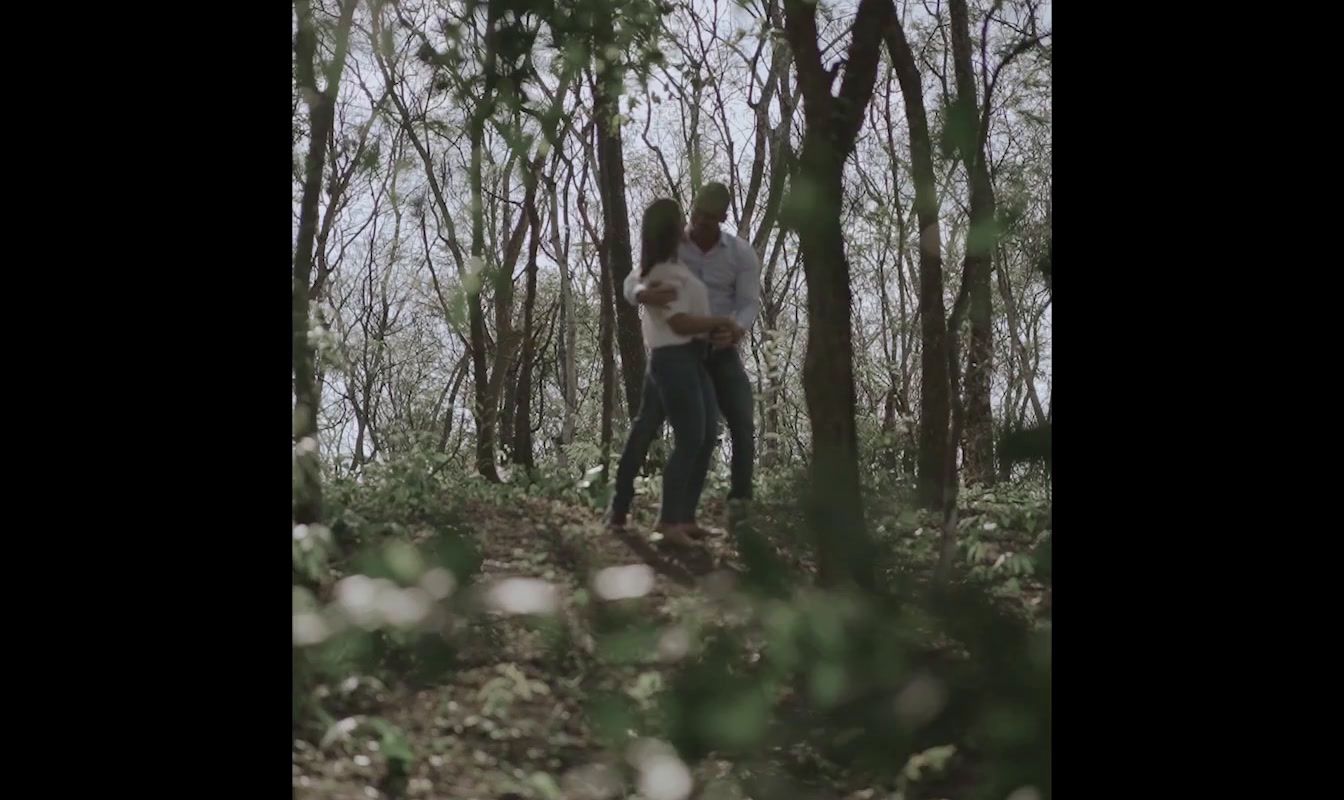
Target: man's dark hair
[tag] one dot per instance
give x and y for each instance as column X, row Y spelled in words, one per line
column 713, row 198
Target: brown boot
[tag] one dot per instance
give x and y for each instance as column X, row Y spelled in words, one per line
column 677, row 535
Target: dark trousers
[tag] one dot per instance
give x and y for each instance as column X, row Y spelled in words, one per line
column 733, row 394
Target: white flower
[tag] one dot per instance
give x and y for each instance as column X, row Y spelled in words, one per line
column 523, row 596
column 439, row 582
column 622, row 583
column 406, row 607
column 664, row 777
column 309, row 629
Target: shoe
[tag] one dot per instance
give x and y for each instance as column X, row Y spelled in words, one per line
column 677, row 535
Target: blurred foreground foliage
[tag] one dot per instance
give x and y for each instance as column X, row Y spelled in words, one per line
column 909, row 688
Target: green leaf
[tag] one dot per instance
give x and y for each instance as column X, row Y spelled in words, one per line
column 828, row 682
column 545, row 785
column 393, row 742
column 737, row 722
column 403, row 561
column 576, row 55
column 629, row 646
column 612, row 716
column 982, row 235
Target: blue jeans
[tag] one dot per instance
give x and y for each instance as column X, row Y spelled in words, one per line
column 732, row 390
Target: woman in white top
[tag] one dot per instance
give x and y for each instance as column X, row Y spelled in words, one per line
column 677, row 338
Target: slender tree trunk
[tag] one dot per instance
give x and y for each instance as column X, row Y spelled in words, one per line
column 606, row 320
column 507, row 340
column 933, row 403
column 763, row 132
column 903, row 337
column 1010, row 312
column 889, row 432
column 981, row 237
column 773, row 372
column 569, row 332
column 508, row 410
column 772, row 143
column 361, row 428
column 321, row 114
column 487, row 404
column 459, row 372
column 606, row 326
column 616, row 237
column 522, row 431
column 948, row 540
column 480, row 371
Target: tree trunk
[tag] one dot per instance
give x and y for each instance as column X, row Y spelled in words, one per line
column 772, row 142
column 487, row 402
column 569, row 331
column 775, row 358
column 321, row 113
column 522, row 430
column 508, row 409
column 507, row 340
column 908, row 434
column 828, row 374
column 606, row 319
column 933, row 402
column 951, row 486
column 980, row 240
column 459, row 372
column 480, row 370
column 887, row 452
column 616, row 238
column 1010, row 312
column 606, row 326
column 765, row 138
column 835, row 505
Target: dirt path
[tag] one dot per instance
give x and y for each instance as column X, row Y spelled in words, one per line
column 510, row 718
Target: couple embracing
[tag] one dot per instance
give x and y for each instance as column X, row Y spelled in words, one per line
column 699, row 287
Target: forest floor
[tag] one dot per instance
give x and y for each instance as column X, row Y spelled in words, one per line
column 512, row 722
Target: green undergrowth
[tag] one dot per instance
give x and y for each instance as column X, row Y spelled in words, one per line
column 788, row 684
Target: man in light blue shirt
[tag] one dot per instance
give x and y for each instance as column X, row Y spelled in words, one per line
column 731, row 271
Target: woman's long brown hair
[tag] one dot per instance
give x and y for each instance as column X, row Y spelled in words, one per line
column 659, row 234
